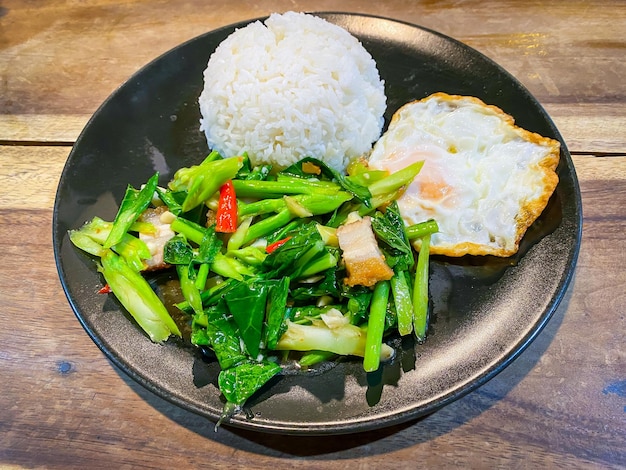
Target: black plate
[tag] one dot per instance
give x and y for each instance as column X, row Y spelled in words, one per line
column 485, row 310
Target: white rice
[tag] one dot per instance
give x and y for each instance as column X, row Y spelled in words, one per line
column 293, row 87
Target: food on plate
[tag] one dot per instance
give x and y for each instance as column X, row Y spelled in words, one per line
column 364, row 261
column 265, row 264
column 294, row 86
column 291, row 246
column 155, row 239
column 485, row 180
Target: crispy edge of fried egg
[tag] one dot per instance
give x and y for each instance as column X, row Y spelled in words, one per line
column 531, row 209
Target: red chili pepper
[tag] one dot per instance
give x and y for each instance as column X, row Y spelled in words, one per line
column 227, row 209
column 277, row 244
column 105, row 289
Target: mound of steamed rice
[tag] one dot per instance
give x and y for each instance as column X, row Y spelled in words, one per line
column 293, row 87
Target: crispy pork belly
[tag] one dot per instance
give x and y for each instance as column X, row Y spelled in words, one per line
column 161, row 219
column 364, row 261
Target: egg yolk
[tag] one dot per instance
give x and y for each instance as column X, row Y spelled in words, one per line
column 429, row 184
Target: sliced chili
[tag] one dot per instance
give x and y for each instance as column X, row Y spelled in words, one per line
column 277, row 244
column 105, row 289
column 226, row 220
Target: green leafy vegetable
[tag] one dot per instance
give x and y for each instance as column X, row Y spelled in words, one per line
column 299, row 169
column 202, row 181
column 177, row 251
column 247, row 302
column 376, row 326
column 132, row 206
column 276, row 282
column 345, row 340
column 276, row 311
column 420, row 291
column 222, row 335
column 240, row 382
column 424, row 228
column 389, row 228
column 136, row 295
column 188, row 287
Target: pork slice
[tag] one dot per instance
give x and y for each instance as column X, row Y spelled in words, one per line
column 364, row 261
column 156, row 242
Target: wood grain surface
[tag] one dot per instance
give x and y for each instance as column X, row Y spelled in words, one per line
column 561, row 404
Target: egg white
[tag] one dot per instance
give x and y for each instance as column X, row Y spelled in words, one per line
column 484, row 180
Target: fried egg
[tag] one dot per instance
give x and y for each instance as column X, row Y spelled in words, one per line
column 484, row 180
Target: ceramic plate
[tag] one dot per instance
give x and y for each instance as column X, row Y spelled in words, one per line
column 485, row 311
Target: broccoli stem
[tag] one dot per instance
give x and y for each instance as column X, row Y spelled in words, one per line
column 376, row 327
column 190, row 230
column 188, row 287
column 263, row 206
column 312, row 185
column 319, row 204
column 133, row 250
column 137, row 297
column 345, row 340
column 422, row 229
column 91, row 237
column 403, row 301
column 209, row 296
column 261, row 189
column 202, row 181
column 201, row 276
column 377, row 201
column 236, row 240
column 315, row 357
column 267, row 226
column 396, row 180
column 227, row 266
column 326, row 261
column 420, row 290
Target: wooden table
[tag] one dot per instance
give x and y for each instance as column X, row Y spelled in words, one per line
column 561, row 404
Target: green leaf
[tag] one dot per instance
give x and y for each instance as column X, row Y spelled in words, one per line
column 330, row 284
column 247, row 303
column 223, row 337
column 209, row 246
column 239, row 383
column 276, row 312
column 177, row 251
column 172, row 199
column 246, row 172
column 132, row 206
column 303, row 248
column 389, row 228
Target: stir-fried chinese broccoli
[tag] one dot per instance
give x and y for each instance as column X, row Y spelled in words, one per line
column 274, row 284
